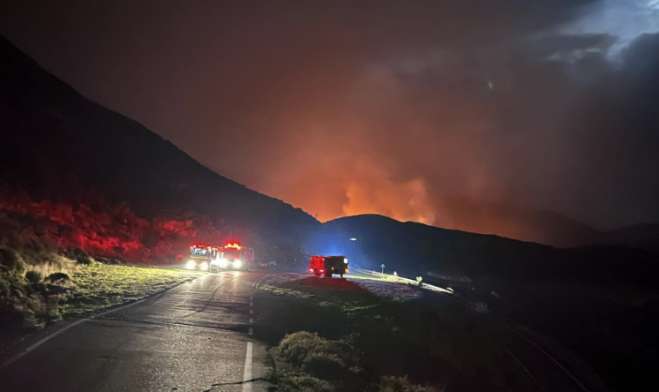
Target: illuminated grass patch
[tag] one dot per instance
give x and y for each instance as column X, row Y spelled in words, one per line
column 99, row 286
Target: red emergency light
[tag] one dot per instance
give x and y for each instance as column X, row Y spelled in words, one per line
column 233, row 245
column 199, row 245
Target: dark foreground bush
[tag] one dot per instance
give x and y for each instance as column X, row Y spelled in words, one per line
column 25, row 300
column 58, row 278
column 33, row 277
column 20, row 304
column 10, row 262
column 401, row 384
column 306, row 361
column 79, row 256
column 287, row 382
column 318, row 356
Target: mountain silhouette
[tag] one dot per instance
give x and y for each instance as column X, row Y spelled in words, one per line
column 62, row 147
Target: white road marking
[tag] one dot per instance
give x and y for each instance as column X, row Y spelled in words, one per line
column 247, row 370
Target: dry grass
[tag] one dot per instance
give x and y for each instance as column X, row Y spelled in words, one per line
column 99, row 286
column 38, row 287
column 403, row 346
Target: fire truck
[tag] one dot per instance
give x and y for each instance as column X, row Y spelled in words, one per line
column 201, row 257
column 230, row 256
column 233, row 256
column 328, row 265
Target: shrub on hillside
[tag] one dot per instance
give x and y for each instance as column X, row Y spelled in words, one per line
column 303, row 383
column 10, row 261
column 34, row 311
column 79, row 256
column 294, row 348
column 305, row 361
column 401, row 384
column 20, row 304
column 26, row 300
column 58, row 278
column 305, row 349
column 33, row 277
column 311, row 362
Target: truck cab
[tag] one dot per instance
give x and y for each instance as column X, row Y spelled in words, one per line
column 201, row 257
column 327, row 266
column 233, row 256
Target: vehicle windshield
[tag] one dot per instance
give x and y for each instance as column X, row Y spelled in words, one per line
column 200, row 251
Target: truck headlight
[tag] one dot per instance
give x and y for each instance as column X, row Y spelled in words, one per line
column 224, row 263
column 203, row 266
column 190, row 264
column 237, row 264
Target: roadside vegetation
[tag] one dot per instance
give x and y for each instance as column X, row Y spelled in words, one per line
column 39, row 286
column 333, row 335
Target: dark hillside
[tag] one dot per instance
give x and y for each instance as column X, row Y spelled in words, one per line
column 414, row 248
column 544, row 227
column 60, row 147
column 642, row 236
column 600, row 302
column 526, row 224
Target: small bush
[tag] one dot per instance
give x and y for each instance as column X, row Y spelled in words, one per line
column 79, row 256
column 297, row 348
column 303, row 383
column 58, row 278
column 294, row 348
column 325, row 365
column 309, row 362
column 10, row 261
column 34, row 311
column 5, row 288
column 33, row 277
column 401, row 384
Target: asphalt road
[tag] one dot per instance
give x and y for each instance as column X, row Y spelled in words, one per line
column 190, row 338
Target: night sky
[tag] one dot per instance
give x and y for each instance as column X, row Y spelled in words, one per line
column 412, row 109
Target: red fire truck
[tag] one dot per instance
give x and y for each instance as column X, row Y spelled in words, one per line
column 233, row 256
column 230, row 256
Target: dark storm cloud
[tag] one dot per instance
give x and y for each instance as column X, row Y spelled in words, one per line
column 617, row 130
column 393, row 107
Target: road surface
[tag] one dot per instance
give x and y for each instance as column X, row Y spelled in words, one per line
column 190, row 338
column 197, row 337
